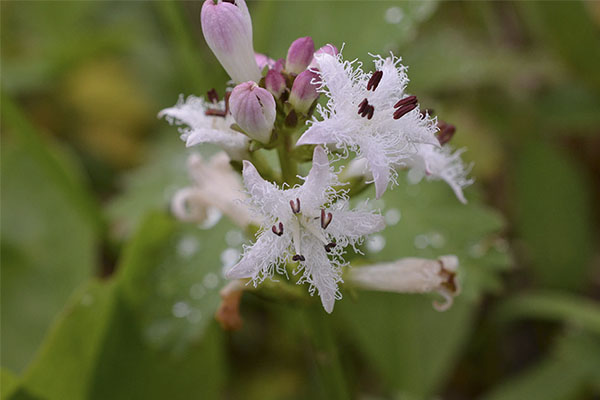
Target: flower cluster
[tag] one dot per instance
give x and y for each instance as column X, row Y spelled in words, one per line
column 306, row 223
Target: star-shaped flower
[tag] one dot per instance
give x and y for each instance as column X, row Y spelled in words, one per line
column 207, row 123
column 309, row 224
column 370, row 114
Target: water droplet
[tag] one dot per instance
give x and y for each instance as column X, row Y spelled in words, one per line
column 375, row 243
column 197, row 291
column 392, row 216
column 234, row 238
column 421, row 241
column 188, row 246
column 87, row 300
column 181, row 309
column 394, row 15
column 210, row 281
column 415, row 175
column 229, row 257
column 437, row 240
column 195, row 316
column 213, row 215
column 478, row 250
column 501, row 245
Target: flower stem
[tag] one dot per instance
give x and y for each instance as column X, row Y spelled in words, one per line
column 289, row 169
column 326, row 355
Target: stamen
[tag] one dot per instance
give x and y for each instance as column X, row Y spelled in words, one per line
column 295, row 206
column 399, row 113
column 215, row 113
column 365, row 109
column 212, row 96
column 279, row 231
column 374, row 81
column 446, row 132
column 329, row 246
column 406, row 100
column 325, row 219
column 298, row 257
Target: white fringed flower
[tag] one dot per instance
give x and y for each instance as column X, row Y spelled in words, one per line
column 370, row 114
column 216, row 185
column 442, row 163
column 411, row 275
column 303, row 224
column 207, row 123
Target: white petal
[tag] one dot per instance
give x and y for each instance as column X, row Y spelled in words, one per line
column 354, row 224
column 317, row 187
column 260, row 260
column 318, row 133
column 265, row 196
column 321, row 273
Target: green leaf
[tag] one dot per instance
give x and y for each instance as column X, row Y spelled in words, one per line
column 571, row 309
column 553, row 215
column 149, row 332
column 409, row 343
column 49, row 236
column 565, row 374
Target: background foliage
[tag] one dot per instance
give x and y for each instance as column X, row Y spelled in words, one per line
column 105, row 295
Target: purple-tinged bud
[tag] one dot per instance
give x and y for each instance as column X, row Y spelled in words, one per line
column 253, row 109
column 275, row 83
column 327, row 49
column 227, row 28
column 299, row 55
column 304, row 92
column 278, row 65
column 263, row 61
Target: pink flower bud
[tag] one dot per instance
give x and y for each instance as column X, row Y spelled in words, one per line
column 327, row 49
column 253, row 108
column 275, row 83
column 299, row 55
column 263, row 61
column 304, row 92
column 227, row 29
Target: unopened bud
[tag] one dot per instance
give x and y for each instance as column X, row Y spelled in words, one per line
column 304, row 92
column 275, row 83
column 227, row 28
column 327, row 49
column 411, row 275
column 253, row 108
column 299, row 55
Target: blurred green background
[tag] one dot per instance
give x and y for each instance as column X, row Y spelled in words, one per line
column 105, row 296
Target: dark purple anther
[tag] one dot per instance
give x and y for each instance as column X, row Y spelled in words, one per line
column 405, row 101
column 298, row 257
column 276, row 230
column 404, row 110
column 374, row 81
column 325, row 219
column 295, row 206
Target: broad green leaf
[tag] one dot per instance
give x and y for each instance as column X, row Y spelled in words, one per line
column 149, row 332
column 566, row 374
column 553, row 215
column 9, row 383
column 409, row 343
column 571, row 309
column 49, row 228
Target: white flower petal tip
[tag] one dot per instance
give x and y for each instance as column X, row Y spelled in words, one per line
column 194, row 203
column 308, row 225
column 411, row 275
column 204, row 122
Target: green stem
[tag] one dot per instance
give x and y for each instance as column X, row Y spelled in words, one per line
column 326, row 355
column 289, row 169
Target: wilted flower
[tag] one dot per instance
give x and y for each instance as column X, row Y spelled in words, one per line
column 411, row 275
column 369, row 114
column 207, row 123
column 216, row 185
column 227, row 28
column 253, row 108
column 303, row 224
